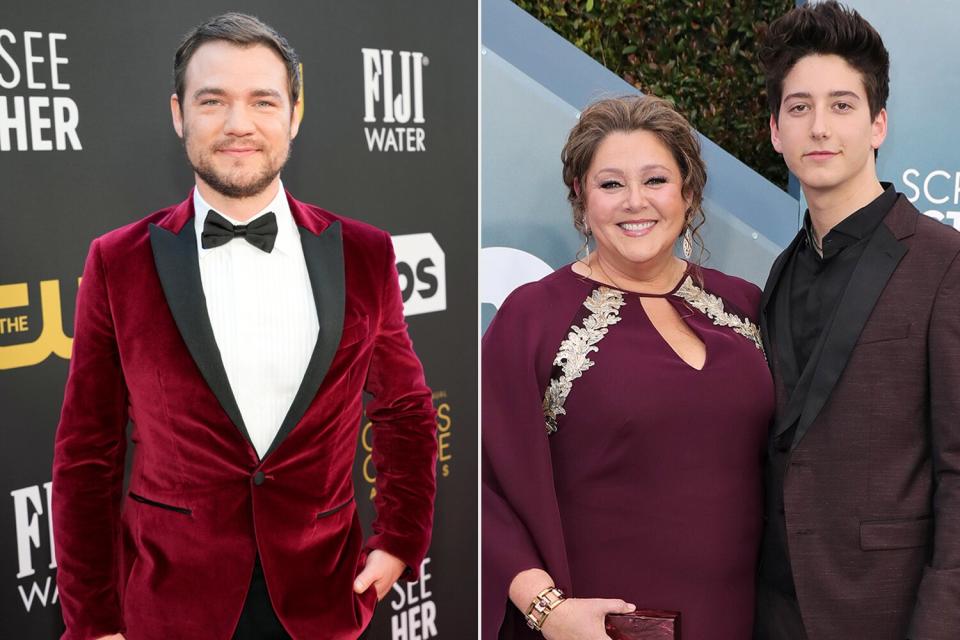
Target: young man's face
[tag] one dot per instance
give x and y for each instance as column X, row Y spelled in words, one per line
column 236, row 119
column 825, row 131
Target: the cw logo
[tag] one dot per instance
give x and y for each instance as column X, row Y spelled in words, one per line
column 52, row 339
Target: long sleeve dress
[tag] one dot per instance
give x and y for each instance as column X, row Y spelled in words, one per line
column 614, row 465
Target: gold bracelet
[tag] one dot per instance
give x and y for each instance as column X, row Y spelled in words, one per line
column 541, row 607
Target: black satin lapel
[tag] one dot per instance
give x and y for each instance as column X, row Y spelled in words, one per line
column 878, row 262
column 773, row 279
column 175, row 256
column 324, row 257
column 790, row 373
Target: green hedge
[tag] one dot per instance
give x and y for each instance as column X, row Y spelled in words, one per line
column 699, row 54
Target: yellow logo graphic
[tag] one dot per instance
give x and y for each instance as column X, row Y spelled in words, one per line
column 444, row 434
column 51, row 340
column 303, row 102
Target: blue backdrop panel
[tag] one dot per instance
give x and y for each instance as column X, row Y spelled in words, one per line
column 920, row 155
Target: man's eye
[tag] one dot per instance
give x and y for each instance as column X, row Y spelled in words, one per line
column 798, row 108
column 843, row 106
column 264, row 103
column 209, row 102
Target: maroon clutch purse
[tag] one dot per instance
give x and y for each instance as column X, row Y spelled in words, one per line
column 644, row 624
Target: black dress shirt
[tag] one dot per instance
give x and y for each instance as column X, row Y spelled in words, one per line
column 801, row 311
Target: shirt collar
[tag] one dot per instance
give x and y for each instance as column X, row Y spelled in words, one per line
column 287, row 235
column 855, row 227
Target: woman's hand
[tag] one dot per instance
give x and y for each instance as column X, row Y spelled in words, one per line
column 582, row 618
column 572, row 619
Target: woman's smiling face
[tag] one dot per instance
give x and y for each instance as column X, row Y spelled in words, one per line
column 634, row 202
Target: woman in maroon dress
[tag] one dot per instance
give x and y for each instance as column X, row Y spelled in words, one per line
column 626, row 400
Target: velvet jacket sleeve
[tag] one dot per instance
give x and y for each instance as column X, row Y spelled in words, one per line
column 520, row 517
column 88, row 464
column 936, row 614
column 404, row 434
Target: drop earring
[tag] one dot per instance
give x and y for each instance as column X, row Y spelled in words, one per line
column 687, row 244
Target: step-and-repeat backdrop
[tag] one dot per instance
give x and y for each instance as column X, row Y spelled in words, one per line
column 86, row 145
column 920, row 153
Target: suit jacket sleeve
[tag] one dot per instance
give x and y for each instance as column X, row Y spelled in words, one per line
column 88, row 464
column 936, row 615
column 404, row 434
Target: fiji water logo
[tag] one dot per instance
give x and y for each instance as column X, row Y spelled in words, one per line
column 393, row 97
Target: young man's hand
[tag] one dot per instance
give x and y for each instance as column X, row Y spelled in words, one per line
column 380, row 571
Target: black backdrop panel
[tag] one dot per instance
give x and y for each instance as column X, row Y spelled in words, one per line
column 86, row 145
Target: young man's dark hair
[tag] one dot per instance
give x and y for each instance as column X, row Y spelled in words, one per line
column 825, row 28
column 242, row 30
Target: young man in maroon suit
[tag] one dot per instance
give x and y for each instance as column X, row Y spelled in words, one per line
column 236, row 331
column 861, row 318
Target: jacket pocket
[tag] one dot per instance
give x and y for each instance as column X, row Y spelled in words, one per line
column 153, row 503
column 884, row 333
column 339, row 507
column 904, row 533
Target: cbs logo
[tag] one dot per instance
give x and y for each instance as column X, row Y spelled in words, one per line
column 421, row 267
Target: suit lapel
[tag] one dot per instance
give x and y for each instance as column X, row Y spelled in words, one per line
column 323, row 253
column 773, row 280
column 790, row 375
column 878, row 262
column 772, row 339
column 174, row 245
column 175, row 256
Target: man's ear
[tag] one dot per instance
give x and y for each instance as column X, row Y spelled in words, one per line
column 775, row 134
column 296, row 118
column 176, row 113
column 879, row 129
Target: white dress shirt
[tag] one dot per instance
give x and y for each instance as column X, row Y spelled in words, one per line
column 264, row 317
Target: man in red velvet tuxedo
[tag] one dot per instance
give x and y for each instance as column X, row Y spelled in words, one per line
column 236, row 331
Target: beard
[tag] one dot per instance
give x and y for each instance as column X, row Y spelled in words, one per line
column 239, row 183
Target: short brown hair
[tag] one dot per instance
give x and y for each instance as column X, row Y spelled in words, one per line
column 626, row 114
column 244, row 31
column 825, row 28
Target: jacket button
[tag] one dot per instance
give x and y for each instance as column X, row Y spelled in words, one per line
column 259, row 478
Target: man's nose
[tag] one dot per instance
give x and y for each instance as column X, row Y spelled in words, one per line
column 239, row 122
column 820, row 127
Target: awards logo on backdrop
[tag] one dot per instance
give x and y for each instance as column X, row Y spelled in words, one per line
column 920, row 152
column 413, row 609
column 86, row 146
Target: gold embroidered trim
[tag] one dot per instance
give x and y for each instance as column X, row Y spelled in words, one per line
column 604, row 306
column 712, row 307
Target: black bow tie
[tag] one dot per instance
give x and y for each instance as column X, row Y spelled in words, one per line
column 261, row 233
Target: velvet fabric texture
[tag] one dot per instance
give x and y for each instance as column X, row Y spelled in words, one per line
column 174, row 558
column 872, row 486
